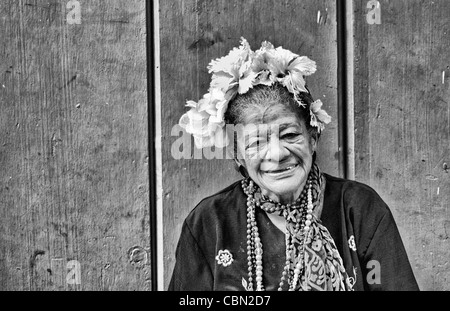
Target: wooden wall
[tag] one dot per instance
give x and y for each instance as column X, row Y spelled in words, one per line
column 73, row 146
column 402, row 124
column 194, row 32
column 74, row 176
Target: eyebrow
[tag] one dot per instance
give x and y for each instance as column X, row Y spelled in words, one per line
column 284, row 126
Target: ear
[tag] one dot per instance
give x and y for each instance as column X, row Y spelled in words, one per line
column 240, row 168
column 238, row 164
column 313, row 143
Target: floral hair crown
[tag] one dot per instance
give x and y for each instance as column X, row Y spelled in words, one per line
column 237, row 73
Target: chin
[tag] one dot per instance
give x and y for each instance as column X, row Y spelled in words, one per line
column 285, row 185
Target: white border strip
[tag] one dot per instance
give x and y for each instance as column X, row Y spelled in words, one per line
column 158, row 144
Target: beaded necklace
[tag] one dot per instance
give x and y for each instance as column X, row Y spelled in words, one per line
column 299, row 213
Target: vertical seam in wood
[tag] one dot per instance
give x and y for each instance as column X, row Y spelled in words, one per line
column 158, row 145
column 342, row 87
column 154, row 144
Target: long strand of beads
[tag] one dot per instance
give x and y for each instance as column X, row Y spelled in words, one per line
column 301, row 226
column 310, row 208
column 288, row 261
column 307, row 227
column 258, row 253
column 259, row 267
column 297, row 271
column 254, row 245
column 250, row 246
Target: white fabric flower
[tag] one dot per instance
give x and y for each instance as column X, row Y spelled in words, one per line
column 238, row 72
column 205, row 120
column 289, row 69
column 351, row 243
column 232, row 73
column 319, row 117
column 196, row 123
column 224, row 258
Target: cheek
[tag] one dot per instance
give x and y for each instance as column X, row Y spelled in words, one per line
column 304, row 151
column 252, row 166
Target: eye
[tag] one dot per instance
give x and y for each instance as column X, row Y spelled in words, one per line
column 290, row 135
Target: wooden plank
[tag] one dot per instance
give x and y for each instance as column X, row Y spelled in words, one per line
column 73, row 149
column 402, row 119
column 194, row 32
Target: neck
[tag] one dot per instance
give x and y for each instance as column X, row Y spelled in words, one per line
column 284, row 198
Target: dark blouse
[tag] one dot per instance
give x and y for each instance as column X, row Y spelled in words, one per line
column 360, row 223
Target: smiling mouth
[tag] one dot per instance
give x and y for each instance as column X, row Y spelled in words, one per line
column 286, row 169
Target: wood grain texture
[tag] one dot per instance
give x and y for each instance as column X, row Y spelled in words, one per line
column 73, row 146
column 194, row 32
column 402, row 119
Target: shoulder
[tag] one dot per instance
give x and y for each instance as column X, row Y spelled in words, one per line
column 359, row 207
column 356, row 197
column 351, row 187
column 216, row 208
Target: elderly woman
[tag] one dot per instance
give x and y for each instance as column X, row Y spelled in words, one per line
column 286, row 225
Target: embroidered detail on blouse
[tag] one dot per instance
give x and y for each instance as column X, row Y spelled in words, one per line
column 351, row 243
column 351, row 281
column 224, row 258
column 245, row 284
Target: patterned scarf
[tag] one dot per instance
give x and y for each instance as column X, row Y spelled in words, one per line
column 322, row 266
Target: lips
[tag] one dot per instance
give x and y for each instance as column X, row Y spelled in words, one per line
column 286, row 168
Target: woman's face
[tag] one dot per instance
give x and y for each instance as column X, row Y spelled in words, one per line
column 278, row 156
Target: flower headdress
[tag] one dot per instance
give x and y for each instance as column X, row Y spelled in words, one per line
column 237, row 73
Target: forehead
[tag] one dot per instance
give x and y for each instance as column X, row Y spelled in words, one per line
column 278, row 124
column 270, row 113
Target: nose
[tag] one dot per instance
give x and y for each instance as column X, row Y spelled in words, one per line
column 276, row 151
